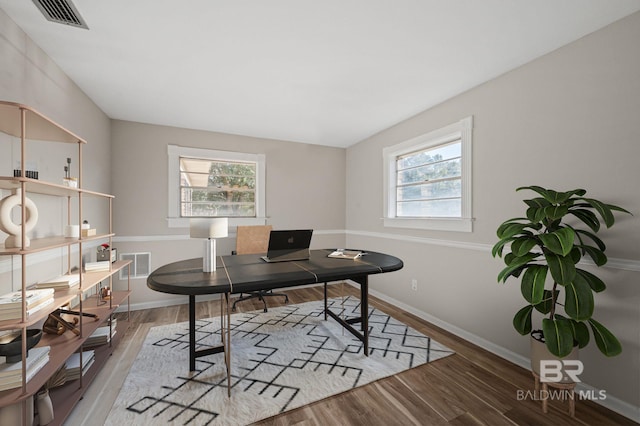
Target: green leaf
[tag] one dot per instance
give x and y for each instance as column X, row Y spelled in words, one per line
column 598, row 257
column 594, row 282
column 587, row 217
column 578, row 192
column 605, row 340
column 535, row 214
column 559, row 242
column 575, row 255
column 522, row 245
column 540, row 190
column 538, row 203
column 618, row 209
column 562, row 268
column 558, row 335
column 510, row 229
column 555, row 212
column 522, row 320
column 578, row 302
column 603, row 209
column 532, row 285
column 544, row 307
column 580, row 333
column 593, row 237
column 499, row 246
column 514, row 264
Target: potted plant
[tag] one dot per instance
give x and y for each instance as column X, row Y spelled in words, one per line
column 545, row 246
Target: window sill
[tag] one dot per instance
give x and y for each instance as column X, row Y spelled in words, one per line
column 183, row 222
column 435, row 224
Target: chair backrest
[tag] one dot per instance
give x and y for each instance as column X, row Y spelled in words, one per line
column 252, row 239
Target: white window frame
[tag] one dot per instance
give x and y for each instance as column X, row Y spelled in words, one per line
column 175, row 152
column 461, row 130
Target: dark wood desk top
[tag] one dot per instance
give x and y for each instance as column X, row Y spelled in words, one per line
column 248, row 272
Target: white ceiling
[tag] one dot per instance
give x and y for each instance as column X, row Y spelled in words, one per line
column 329, row 72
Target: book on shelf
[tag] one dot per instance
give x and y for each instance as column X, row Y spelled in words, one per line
column 61, row 282
column 16, row 313
column 346, row 254
column 97, row 266
column 100, row 337
column 73, row 364
column 11, row 374
column 14, row 299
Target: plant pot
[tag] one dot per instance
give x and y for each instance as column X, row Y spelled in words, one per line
column 540, row 352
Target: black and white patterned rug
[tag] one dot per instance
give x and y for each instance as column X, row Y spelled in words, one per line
column 282, row 359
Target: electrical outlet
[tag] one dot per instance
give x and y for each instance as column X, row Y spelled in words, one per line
column 414, row 284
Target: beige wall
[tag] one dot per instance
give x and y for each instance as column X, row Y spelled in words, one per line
column 567, row 120
column 305, row 188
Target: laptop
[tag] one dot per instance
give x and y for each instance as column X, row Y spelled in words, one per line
column 287, row 245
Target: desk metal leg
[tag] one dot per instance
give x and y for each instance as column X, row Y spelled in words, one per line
column 226, row 340
column 192, row 333
column 363, row 319
column 325, row 302
column 364, row 313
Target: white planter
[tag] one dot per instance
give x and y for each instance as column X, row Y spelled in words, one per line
column 539, row 352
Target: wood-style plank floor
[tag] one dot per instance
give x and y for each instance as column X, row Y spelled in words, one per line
column 472, row 387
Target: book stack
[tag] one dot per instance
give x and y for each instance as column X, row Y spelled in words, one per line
column 346, row 254
column 11, row 373
column 73, row 364
column 101, row 336
column 11, row 303
column 97, row 266
column 61, row 283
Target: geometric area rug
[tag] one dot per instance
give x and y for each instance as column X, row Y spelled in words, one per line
column 280, row 360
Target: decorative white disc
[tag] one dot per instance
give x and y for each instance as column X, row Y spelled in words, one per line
column 15, row 230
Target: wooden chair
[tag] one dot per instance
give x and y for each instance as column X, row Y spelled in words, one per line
column 254, row 240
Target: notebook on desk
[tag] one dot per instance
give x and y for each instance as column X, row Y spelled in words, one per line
column 287, row 245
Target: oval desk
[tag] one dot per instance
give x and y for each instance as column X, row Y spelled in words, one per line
column 248, row 272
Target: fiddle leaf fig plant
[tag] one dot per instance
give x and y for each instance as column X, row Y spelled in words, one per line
column 545, row 246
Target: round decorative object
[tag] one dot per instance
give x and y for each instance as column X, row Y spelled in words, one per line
column 13, row 349
column 6, row 223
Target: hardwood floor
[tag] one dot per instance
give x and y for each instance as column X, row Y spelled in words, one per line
column 472, row 387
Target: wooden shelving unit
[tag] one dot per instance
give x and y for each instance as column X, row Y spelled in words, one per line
column 25, row 124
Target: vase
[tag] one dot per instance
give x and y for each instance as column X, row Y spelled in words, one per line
column 44, row 407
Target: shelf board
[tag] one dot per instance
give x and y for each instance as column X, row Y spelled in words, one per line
column 48, row 243
column 91, row 279
column 62, row 347
column 37, row 126
column 37, row 186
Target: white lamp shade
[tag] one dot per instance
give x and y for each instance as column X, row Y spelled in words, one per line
column 215, row 227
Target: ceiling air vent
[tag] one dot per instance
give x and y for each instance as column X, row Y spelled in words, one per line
column 61, row 11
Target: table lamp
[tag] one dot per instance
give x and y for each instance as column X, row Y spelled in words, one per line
column 210, row 228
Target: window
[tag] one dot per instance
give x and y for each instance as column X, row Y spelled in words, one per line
column 427, row 180
column 209, row 183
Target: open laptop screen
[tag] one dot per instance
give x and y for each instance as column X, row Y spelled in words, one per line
column 287, row 245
